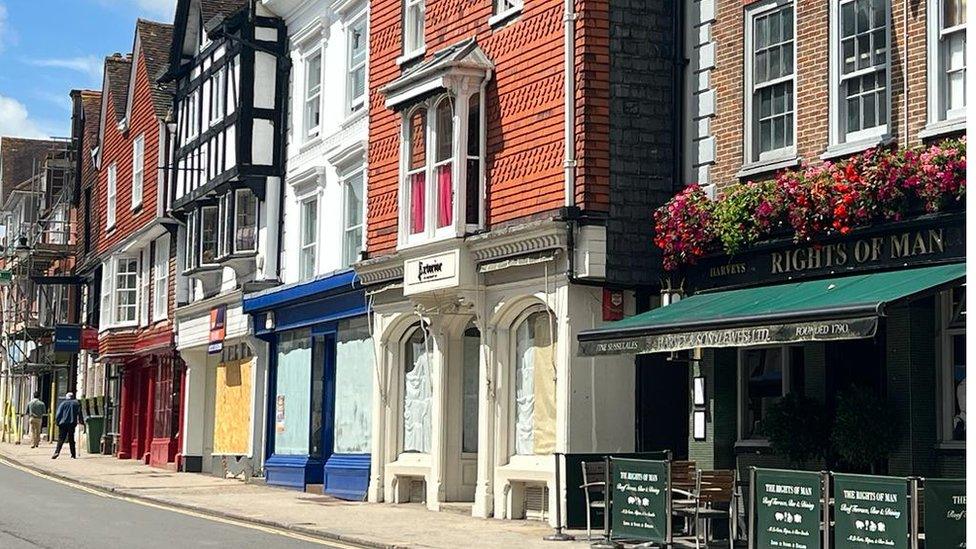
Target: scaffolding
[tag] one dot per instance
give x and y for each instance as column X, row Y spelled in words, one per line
column 36, row 284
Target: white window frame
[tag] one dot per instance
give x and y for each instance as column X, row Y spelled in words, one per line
column 112, row 196
column 161, row 279
column 840, row 140
column 117, row 290
column 939, row 117
column 257, row 205
column 312, row 98
column 105, row 313
column 145, row 283
column 743, row 383
column 503, row 9
column 308, row 243
column 416, row 49
column 946, row 382
column 751, row 157
column 459, row 157
column 356, row 102
column 513, row 365
column 359, row 223
column 199, row 243
column 138, row 169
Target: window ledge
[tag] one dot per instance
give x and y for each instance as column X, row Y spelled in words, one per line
column 408, row 57
column 310, row 143
column 500, row 19
column 765, row 166
column 353, row 117
column 942, row 127
column 752, row 445
column 951, row 446
column 854, row 147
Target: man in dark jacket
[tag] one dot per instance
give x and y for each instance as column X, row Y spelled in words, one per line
column 67, row 417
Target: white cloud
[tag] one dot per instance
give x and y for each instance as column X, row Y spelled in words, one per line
column 90, row 65
column 15, row 121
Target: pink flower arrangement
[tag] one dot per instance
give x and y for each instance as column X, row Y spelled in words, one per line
column 813, row 201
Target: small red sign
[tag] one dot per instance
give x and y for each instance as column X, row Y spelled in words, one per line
column 613, row 304
column 89, row 339
column 218, row 318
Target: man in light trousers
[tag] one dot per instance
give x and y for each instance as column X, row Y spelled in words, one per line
column 36, row 410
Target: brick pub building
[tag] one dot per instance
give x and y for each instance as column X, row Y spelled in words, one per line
column 134, row 231
column 874, row 311
column 502, row 218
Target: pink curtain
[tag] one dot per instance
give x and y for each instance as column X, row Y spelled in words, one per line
column 445, row 196
column 417, row 194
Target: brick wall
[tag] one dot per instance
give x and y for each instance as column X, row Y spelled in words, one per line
column 524, row 107
column 812, row 81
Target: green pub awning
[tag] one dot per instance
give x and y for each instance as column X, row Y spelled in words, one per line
column 846, row 307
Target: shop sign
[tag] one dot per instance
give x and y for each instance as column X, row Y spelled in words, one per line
column 870, row 511
column 787, row 509
column 927, row 241
column 640, row 504
column 89, row 339
column 814, row 330
column 433, row 272
column 67, row 338
column 613, row 305
column 218, row 329
column 945, row 513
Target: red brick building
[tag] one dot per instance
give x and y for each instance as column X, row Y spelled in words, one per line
column 491, row 243
column 134, row 232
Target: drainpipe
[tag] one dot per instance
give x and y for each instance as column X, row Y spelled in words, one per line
column 904, row 71
column 569, row 65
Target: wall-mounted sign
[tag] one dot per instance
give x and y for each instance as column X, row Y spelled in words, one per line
column 89, row 339
column 613, row 305
column 67, row 338
column 945, row 513
column 870, row 511
column 640, row 509
column 434, row 272
column 218, row 329
column 787, row 509
column 926, row 240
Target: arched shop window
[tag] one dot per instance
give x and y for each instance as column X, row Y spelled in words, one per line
column 417, row 391
column 534, row 387
column 953, row 359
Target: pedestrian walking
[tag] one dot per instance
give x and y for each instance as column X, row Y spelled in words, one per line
column 68, row 417
column 36, row 410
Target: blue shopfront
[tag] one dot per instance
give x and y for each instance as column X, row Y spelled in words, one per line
column 320, row 383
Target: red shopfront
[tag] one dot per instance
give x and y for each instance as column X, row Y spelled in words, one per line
column 150, row 412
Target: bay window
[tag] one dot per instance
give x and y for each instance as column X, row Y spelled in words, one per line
column 442, row 169
column 138, row 170
column 313, row 92
column 209, row 220
column 245, row 221
column 352, row 225
column 309, row 237
column 770, row 78
column 947, row 60
column 126, row 289
column 860, row 65
column 356, row 64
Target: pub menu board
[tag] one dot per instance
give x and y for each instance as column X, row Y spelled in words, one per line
column 870, row 511
column 945, row 513
column 787, row 509
column 639, row 508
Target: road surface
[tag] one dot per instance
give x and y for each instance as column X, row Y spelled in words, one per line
column 37, row 512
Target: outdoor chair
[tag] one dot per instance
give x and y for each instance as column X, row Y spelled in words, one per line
column 713, row 497
column 684, row 477
column 594, row 487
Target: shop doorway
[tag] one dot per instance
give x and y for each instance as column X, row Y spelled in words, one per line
column 662, row 405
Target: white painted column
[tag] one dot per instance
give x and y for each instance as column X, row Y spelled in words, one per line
column 484, row 489
column 194, row 402
column 377, row 460
column 439, row 339
column 259, row 400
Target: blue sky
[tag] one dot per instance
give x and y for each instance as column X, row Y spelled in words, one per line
column 49, row 47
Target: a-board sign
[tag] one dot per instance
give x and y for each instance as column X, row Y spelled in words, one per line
column 639, row 505
column 945, row 513
column 870, row 511
column 787, row 509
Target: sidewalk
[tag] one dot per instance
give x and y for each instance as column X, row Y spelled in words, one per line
column 376, row 525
